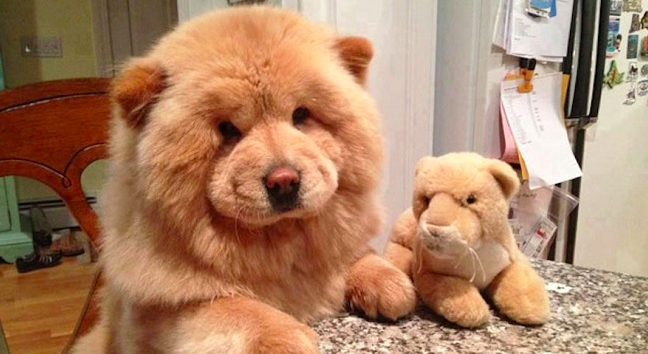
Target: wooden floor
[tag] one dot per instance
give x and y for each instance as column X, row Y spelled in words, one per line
column 39, row 309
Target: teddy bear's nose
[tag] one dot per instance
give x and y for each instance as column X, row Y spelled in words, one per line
column 442, row 210
column 282, row 184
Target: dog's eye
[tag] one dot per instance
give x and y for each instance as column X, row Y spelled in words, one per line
column 229, row 131
column 300, row 115
column 471, row 199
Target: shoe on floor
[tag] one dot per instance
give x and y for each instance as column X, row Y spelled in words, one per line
column 34, row 261
column 68, row 245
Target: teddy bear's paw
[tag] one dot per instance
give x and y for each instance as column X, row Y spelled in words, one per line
column 528, row 309
column 377, row 288
column 534, row 317
column 299, row 339
column 467, row 310
column 520, row 294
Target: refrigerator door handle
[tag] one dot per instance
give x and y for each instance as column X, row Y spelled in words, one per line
column 604, row 15
column 569, row 63
column 581, row 92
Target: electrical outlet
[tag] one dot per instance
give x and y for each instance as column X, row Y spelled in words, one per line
column 41, row 47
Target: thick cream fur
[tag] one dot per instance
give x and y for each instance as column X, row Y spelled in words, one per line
column 431, row 242
column 195, row 260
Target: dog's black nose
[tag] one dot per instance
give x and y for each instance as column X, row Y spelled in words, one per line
column 282, row 185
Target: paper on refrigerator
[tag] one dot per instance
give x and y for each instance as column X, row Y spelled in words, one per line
column 536, row 123
column 501, row 24
column 538, row 35
column 523, row 35
column 507, row 141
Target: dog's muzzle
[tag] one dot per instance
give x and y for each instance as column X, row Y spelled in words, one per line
column 282, row 186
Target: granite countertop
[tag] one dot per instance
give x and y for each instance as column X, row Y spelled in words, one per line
column 592, row 311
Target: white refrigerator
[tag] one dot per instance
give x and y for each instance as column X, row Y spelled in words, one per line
column 611, row 230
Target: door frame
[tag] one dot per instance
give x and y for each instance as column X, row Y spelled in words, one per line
column 119, row 35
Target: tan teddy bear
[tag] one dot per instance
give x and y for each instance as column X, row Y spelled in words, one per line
column 455, row 242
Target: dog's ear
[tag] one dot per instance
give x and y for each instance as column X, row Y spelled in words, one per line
column 505, row 177
column 356, row 53
column 136, row 89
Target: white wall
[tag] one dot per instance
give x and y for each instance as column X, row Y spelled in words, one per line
column 613, row 220
column 401, row 77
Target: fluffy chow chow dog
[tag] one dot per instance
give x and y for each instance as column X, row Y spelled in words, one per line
column 243, row 188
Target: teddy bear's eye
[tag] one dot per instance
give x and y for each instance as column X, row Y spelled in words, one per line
column 471, row 199
column 229, row 131
column 300, row 115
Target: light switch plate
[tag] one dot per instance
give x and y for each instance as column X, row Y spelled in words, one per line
column 41, row 47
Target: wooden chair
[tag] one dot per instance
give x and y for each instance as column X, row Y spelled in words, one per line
column 52, row 131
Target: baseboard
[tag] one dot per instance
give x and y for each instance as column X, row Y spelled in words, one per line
column 55, row 210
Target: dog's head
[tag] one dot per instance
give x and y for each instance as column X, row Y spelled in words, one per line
column 461, row 199
column 253, row 114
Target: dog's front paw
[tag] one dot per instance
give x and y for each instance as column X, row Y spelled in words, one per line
column 296, row 339
column 378, row 288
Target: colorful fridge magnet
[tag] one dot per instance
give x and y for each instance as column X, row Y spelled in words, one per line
column 631, row 96
column 642, row 87
column 614, row 38
column 644, row 47
column 615, row 7
column 541, row 8
column 618, row 42
column 633, row 72
column 614, row 24
column 610, row 51
column 644, row 20
column 613, row 76
column 644, row 70
column 633, row 46
column 636, row 23
column 632, row 5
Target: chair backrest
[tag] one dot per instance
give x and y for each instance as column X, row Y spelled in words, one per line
column 51, row 131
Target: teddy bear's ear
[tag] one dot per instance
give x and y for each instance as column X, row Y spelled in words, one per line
column 136, row 89
column 505, row 176
column 423, row 164
column 356, row 53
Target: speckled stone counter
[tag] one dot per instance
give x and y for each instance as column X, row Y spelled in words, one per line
column 592, row 312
